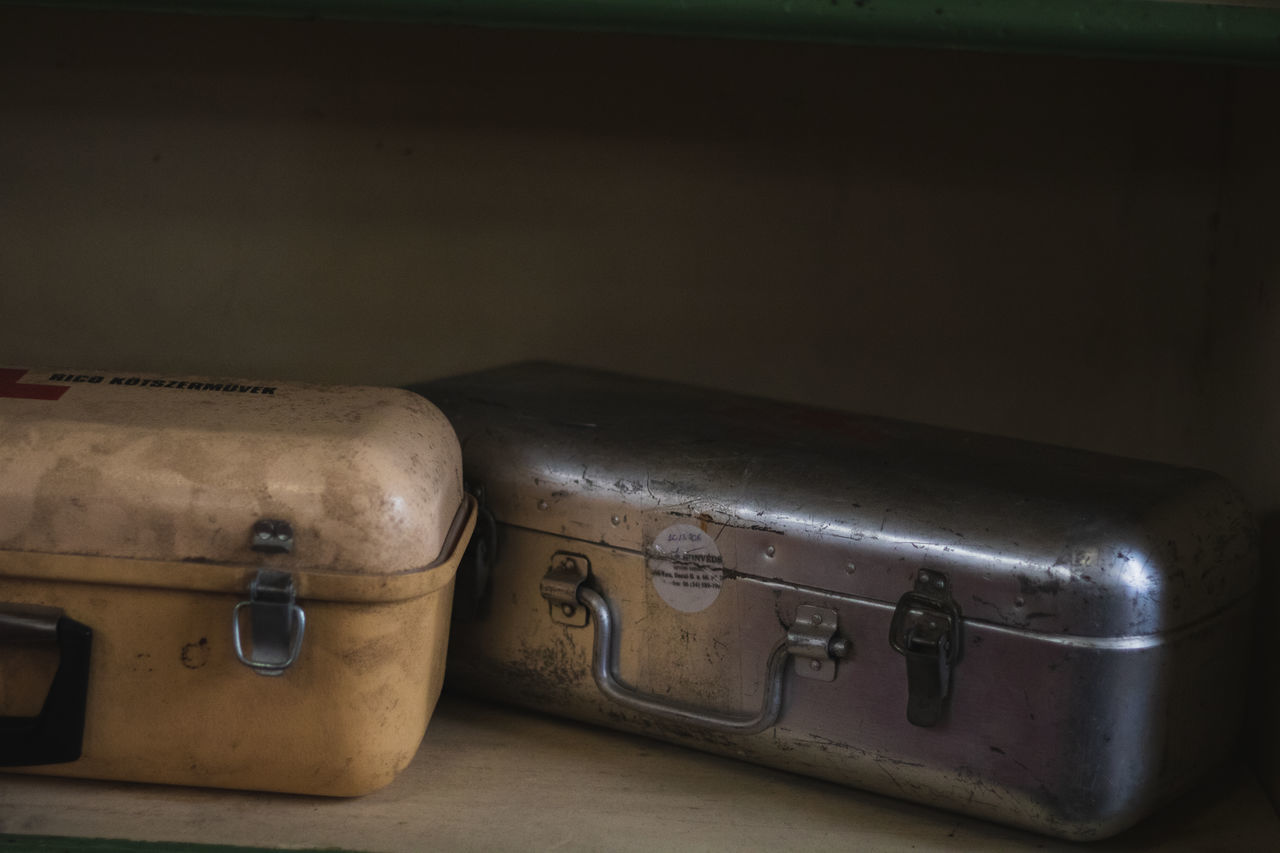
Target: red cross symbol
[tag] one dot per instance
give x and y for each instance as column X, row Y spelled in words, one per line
column 10, row 387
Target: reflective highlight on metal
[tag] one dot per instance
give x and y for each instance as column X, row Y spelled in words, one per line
column 22, row 624
column 1083, row 665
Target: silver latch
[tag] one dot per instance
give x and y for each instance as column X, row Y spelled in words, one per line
column 277, row 624
column 813, row 644
column 925, row 629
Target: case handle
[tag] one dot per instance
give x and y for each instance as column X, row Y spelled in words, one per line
column 603, row 668
column 565, row 587
column 56, row 734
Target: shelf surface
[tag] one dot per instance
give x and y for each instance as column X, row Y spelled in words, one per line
column 493, row 778
column 1217, row 30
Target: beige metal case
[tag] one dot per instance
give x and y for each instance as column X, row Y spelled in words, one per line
column 265, row 571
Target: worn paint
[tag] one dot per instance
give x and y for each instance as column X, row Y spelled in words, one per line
column 130, row 507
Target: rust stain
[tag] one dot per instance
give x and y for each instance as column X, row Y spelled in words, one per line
column 196, row 655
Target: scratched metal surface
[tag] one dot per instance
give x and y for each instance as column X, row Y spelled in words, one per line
column 1045, row 538
column 1102, row 596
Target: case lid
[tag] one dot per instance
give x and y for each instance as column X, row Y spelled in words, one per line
column 1030, row 536
column 180, row 470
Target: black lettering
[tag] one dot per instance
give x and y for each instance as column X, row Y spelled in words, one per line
column 269, row 390
column 255, row 389
column 171, row 383
column 132, row 380
column 94, row 380
column 156, row 383
column 58, row 377
column 242, row 388
column 116, row 380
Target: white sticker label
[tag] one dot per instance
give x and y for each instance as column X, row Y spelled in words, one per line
column 686, row 567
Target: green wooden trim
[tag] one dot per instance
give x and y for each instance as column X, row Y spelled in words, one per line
column 55, row 844
column 1220, row 30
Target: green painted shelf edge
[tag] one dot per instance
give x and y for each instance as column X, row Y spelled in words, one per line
column 1240, row 31
column 54, row 844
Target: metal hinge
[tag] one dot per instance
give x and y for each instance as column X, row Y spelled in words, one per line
column 813, row 644
column 560, row 585
column 276, row 621
column 926, row 630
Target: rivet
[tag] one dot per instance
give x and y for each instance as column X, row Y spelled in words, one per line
column 615, row 521
column 567, row 609
column 815, row 665
column 924, row 577
column 770, row 551
column 816, row 619
column 1019, row 601
column 542, row 504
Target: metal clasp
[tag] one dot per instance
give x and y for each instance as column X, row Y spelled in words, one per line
column 926, row 630
column 277, row 623
column 272, row 536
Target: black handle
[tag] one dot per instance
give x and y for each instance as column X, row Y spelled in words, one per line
column 56, row 734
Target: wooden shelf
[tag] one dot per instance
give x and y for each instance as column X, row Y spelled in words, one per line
column 493, row 778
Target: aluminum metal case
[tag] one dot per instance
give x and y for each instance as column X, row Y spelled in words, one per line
column 1039, row 636
column 223, row 583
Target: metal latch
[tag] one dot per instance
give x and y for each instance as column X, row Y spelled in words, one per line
column 926, row 630
column 276, row 621
column 813, row 644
